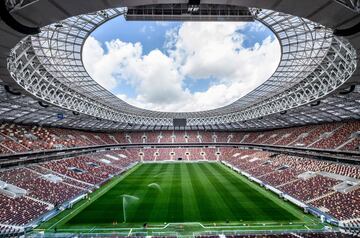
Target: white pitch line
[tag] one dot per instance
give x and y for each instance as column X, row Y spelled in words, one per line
column 68, row 215
column 130, row 232
column 91, row 200
column 186, row 223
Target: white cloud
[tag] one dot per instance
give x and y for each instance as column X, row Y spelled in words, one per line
column 195, row 50
column 103, row 67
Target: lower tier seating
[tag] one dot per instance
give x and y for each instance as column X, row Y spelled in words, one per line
column 50, row 184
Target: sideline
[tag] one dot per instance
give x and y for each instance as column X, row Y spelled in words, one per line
column 96, row 196
column 264, row 225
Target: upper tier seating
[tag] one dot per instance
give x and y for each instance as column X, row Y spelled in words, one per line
column 310, row 188
column 16, row 138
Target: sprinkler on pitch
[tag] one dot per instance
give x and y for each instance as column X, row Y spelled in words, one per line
column 126, row 199
column 155, row 186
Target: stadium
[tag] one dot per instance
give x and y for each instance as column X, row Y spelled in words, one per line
column 180, row 118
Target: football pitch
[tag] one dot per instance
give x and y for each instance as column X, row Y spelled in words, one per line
column 160, row 194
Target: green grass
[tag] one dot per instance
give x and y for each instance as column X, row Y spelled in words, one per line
column 206, row 193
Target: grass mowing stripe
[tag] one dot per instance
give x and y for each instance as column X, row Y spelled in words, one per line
column 63, row 217
column 147, row 202
column 108, row 208
column 190, row 209
column 234, row 203
column 264, row 204
column 219, row 208
column 137, row 188
column 175, row 205
column 203, row 205
column 190, row 192
column 284, row 205
column 160, row 208
column 249, row 195
column 164, row 186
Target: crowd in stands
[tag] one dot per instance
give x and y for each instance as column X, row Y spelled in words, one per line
column 57, row 181
column 334, row 204
column 50, row 184
column 16, row 138
column 307, row 189
column 38, row 186
column 286, row 235
column 19, row 211
column 308, row 180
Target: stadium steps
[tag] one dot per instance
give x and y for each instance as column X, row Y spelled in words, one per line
column 344, row 144
column 291, row 181
column 156, row 156
column 322, row 138
column 64, row 176
column 266, row 174
column 63, row 182
column 74, row 186
column 301, row 137
column 280, row 139
column 7, row 148
column 116, row 141
column 88, row 140
column 294, row 141
column 296, row 235
column 34, row 171
column 322, row 196
column 19, row 144
column 229, row 138
column 314, row 142
column 50, row 206
column 99, row 138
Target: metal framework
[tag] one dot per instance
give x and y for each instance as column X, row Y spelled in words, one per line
column 186, row 12
column 314, row 63
column 353, row 5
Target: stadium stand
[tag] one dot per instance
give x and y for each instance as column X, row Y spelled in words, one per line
column 311, row 181
column 295, row 235
column 343, row 206
column 19, row 211
column 52, row 183
column 55, row 182
column 336, row 136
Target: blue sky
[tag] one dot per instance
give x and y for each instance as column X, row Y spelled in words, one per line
column 191, row 58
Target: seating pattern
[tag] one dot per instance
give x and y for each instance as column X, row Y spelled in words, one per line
column 292, row 235
column 282, row 172
column 82, row 173
column 77, row 175
column 16, row 138
column 310, row 188
column 19, row 211
column 340, row 205
column 38, row 187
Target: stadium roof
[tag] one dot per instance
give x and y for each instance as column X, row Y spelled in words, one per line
column 314, row 82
